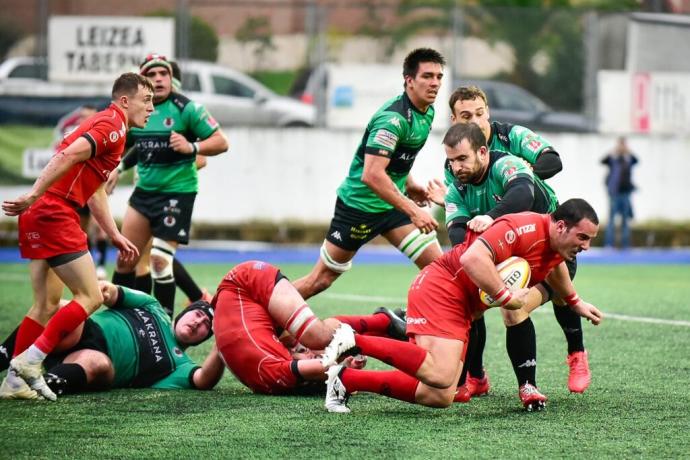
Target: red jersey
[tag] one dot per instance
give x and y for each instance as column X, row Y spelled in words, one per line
column 106, row 131
column 525, row 235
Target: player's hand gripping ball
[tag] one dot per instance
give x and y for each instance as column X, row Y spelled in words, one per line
column 515, row 273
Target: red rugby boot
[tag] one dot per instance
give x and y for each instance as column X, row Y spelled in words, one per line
column 580, row 376
column 531, row 398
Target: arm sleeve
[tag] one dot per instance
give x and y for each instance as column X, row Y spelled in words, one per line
column 386, row 131
column 129, row 160
column 200, row 121
column 180, row 379
column 130, row 298
column 548, row 164
column 457, row 230
column 519, row 197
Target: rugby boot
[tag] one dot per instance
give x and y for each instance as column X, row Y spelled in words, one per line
column 397, row 326
column 343, row 342
column 336, row 393
column 32, row 374
column 580, row 376
column 14, row 387
column 531, row 398
column 478, row 386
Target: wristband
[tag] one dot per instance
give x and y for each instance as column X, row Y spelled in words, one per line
column 195, row 148
column 572, row 299
column 503, row 296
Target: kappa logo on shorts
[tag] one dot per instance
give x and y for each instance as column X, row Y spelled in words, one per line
column 336, row 235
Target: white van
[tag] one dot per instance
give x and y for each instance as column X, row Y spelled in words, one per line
column 347, row 95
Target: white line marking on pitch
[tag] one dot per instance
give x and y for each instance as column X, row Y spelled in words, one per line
column 400, row 301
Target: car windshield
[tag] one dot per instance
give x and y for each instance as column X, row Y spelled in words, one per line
column 230, row 87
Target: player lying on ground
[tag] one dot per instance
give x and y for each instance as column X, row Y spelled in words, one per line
column 444, row 298
column 254, row 305
column 133, row 344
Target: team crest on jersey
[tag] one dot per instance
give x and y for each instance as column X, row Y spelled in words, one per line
column 510, row 237
column 114, row 136
column 168, row 122
column 386, row 138
column 177, row 351
column 169, row 221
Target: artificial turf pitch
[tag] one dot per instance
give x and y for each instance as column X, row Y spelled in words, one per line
column 637, row 406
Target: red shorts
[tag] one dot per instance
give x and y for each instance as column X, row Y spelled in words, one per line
column 49, row 228
column 438, row 306
column 246, row 334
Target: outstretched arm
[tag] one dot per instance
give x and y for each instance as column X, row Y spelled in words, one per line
column 560, row 282
column 210, row 372
column 59, row 164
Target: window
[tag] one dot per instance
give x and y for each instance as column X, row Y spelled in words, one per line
column 190, row 82
column 230, row 87
column 29, row 71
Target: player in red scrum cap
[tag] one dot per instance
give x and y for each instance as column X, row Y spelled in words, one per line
column 444, row 298
column 49, row 232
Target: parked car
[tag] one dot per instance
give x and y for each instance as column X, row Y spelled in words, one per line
column 234, row 99
column 509, row 103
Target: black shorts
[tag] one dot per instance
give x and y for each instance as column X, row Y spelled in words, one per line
column 352, row 228
column 169, row 214
column 91, row 339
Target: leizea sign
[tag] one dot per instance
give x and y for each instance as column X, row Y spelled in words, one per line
column 98, row 49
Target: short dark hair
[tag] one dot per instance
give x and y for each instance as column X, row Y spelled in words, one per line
column 128, row 84
column 412, row 60
column 466, row 93
column 470, row 131
column 573, row 211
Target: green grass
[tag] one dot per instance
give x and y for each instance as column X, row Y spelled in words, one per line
column 14, row 139
column 637, row 406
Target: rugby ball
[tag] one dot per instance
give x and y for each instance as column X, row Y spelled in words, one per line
column 515, row 273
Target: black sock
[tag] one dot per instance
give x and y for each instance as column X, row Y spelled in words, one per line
column 66, row 378
column 144, row 283
column 184, row 280
column 521, row 343
column 475, row 350
column 102, row 248
column 7, row 350
column 165, row 294
column 571, row 323
column 124, row 279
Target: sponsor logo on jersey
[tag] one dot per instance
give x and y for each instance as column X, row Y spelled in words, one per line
column 33, row 236
column 113, row 136
column 510, row 237
column 211, row 122
column 534, row 145
column 168, row 122
column 451, row 208
column 408, row 156
column 259, row 265
column 386, row 138
column 529, row 228
column 360, row 232
column 336, row 236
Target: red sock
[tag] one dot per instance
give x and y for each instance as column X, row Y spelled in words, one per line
column 405, row 356
column 65, row 321
column 376, row 324
column 394, row 384
column 27, row 334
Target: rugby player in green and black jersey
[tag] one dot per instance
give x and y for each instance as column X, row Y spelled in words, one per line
column 469, row 105
column 134, row 344
column 163, row 199
column 378, row 196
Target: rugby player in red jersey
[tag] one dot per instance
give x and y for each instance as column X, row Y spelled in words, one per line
column 444, row 299
column 262, row 326
column 50, row 235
